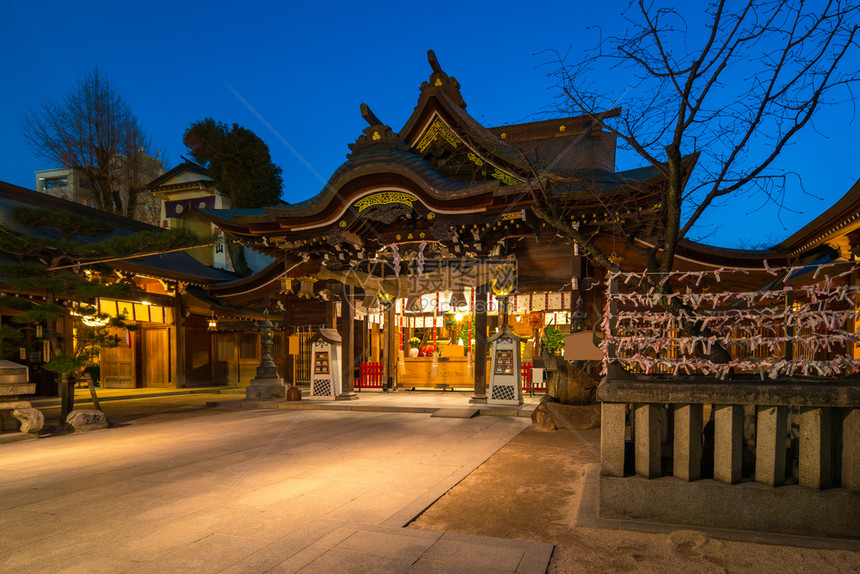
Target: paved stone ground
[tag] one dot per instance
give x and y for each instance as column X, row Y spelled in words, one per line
column 251, row 491
column 539, row 487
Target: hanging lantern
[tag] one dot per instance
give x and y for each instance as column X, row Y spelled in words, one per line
column 286, row 285
column 306, row 289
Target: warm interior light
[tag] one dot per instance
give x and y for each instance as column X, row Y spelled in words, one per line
column 93, row 321
column 458, row 317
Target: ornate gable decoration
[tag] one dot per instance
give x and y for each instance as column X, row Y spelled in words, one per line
column 441, row 136
column 384, row 198
column 440, row 80
column 376, row 134
column 385, row 206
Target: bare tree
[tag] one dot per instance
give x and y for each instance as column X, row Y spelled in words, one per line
column 726, row 96
column 94, row 132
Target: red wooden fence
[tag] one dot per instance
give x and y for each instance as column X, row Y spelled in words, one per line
column 529, row 385
column 371, row 376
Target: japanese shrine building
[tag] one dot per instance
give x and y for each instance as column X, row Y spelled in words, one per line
column 428, row 218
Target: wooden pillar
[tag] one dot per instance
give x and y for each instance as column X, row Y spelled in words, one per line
column 575, row 279
column 613, row 318
column 481, row 347
column 347, row 336
column 789, row 331
column 178, row 363
column 289, row 358
column 330, row 315
column 374, row 342
column 390, row 349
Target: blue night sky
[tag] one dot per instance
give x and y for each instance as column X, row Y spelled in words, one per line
column 305, row 67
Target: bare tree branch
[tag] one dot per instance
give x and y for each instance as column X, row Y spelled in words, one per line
column 94, row 132
column 735, row 89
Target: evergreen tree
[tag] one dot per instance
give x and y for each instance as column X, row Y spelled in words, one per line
column 238, row 162
column 38, row 263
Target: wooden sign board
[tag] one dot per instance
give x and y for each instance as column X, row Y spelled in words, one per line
column 580, row 347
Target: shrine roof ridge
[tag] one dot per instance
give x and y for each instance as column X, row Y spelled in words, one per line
column 176, row 265
column 374, row 160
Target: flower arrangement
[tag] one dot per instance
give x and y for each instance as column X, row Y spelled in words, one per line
column 414, row 342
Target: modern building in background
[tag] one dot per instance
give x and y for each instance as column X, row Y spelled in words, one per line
column 65, row 183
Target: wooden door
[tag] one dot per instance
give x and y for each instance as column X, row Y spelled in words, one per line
column 226, row 370
column 156, row 358
column 117, row 363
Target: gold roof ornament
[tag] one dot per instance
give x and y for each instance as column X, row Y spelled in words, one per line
column 504, row 280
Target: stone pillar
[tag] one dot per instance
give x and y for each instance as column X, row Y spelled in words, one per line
column 687, row 460
column 647, row 446
column 347, row 336
column 480, row 359
column 771, row 433
column 851, row 450
column 728, row 442
column 814, row 447
column 612, row 431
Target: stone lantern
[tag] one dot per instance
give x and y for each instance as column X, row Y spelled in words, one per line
column 505, row 386
column 325, row 364
column 266, row 385
column 18, row 419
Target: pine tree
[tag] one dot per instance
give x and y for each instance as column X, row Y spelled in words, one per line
column 59, row 261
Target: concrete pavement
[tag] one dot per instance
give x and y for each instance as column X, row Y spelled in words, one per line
column 252, row 491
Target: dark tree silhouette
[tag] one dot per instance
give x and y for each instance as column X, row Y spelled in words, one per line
column 238, row 162
column 94, row 132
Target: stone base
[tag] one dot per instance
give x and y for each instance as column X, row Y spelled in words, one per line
column 85, row 420
column 20, row 416
column 747, row 506
column 266, row 390
column 553, row 416
column 347, row 397
column 32, row 420
column 478, row 399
